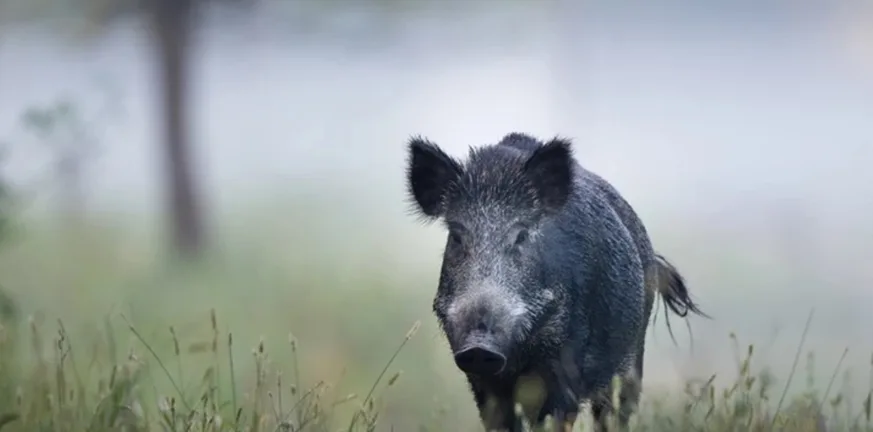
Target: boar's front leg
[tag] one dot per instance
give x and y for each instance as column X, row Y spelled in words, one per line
column 495, row 410
column 539, row 395
column 564, row 422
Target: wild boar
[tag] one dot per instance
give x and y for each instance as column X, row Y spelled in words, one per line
column 548, row 279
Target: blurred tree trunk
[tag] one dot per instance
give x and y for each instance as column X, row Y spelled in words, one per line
column 171, row 23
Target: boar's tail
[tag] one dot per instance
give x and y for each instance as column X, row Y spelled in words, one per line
column 674, row 292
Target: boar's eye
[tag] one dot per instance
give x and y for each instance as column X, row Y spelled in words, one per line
column 456, row 234
column 455, row 238
column 521, row 237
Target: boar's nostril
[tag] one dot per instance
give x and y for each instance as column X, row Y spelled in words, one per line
column 478, row 360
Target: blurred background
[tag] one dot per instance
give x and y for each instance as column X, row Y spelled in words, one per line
column 263, row 140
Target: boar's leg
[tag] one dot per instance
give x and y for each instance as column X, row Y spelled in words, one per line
column 569, row 422
column 505, row 407
column 496, row 412
column 628, row 397
column 566, row 423
column 529, row 394
column 631, row 382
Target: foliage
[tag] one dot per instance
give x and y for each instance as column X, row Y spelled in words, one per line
column 58, row 393
column 63, row 390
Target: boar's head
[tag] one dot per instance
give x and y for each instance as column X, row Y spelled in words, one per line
column 494, row 293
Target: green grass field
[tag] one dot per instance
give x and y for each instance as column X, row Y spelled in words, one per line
column 306, row 322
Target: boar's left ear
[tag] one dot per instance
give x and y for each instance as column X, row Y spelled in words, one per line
column 429, row 173
column 550, row 171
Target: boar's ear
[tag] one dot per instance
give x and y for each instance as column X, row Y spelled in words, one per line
column 550, row 170
column 430, row 172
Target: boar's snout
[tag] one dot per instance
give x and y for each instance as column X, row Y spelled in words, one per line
column 481, row 325
column 480, row 359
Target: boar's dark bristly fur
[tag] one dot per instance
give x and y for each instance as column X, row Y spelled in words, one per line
column 548, row 278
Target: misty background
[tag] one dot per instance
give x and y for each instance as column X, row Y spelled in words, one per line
column 741, row 132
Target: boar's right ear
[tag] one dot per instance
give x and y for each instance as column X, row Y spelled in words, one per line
column 430, row 172
column 550, row 171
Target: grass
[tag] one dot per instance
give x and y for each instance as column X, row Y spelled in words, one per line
column 113, row 340
column 55, row 392
column 67, row 389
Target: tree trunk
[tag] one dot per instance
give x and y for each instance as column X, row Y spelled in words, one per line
column 172, row 26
